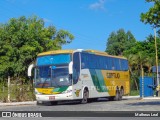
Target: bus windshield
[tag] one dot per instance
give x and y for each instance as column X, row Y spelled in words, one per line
column 52, row 76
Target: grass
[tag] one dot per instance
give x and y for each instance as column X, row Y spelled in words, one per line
column 17, row 93
column 134, row 92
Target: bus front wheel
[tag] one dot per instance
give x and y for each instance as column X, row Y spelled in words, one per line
column 39, row 102
column 85, row 96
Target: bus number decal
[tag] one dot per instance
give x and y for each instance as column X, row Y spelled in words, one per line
column 77, row 92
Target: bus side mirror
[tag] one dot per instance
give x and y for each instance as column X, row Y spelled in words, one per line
column 30, row 70
column 71, row 67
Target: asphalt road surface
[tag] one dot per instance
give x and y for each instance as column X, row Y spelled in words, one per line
column 100, row 105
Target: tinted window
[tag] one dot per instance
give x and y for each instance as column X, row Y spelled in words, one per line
column 92, row 61
column 53, row 59
column 76, row 67
column 117, row 64
column 124, row 64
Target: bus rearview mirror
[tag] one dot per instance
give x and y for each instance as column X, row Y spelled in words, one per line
column 71, row 67
column 30, row 70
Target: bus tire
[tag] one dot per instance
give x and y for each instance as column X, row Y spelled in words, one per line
column 39, row 103
column 85, row 96
column 121, row 94
column 117, row 97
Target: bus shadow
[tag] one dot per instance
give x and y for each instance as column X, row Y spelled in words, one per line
column 144, row 103
column 60, row 103
column 76, row 102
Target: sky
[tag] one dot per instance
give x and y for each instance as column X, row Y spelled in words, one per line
column 90, row 21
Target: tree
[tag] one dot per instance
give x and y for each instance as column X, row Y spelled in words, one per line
column 152, row 16
column 148, row 46
column 119, row 41
column 140, row 54
column 132, row 64
column 138, row 62
column 21, row 39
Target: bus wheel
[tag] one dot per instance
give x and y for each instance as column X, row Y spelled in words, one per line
column 117, row 97
column 85, row 96
column 53, row 102
column 121, row 94
column 39, row 103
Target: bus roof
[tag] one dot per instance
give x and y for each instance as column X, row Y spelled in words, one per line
column 78, row 50
column 55, row 52
column 104, row 54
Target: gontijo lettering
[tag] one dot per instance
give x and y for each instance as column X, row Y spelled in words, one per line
column 113, row 75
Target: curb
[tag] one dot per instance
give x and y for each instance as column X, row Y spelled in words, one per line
column 151, row 98
column 131, row 97
column 18, row 103
column 138, row 97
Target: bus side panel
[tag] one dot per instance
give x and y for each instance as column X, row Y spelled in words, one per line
column 116, row 78
column 101, row 83
column 93, row 79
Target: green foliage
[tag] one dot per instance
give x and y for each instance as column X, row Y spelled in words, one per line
column 147, row 46
column 21, row 39
column 3, row 92
column 152, row 16
column 17, row 92
column 134, row 93
column 140, row 54
column 119, row 41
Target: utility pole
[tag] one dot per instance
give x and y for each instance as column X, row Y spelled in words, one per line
column 9, row 82
column 156, row 61
column 142, row 83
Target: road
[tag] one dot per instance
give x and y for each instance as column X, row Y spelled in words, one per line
column 100, row 105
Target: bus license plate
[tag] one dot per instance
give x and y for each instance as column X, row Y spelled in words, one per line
column 51, row 97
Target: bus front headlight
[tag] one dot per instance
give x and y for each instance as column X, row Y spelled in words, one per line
column 36, row 92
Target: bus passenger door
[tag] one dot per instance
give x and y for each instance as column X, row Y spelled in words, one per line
column 77, row 83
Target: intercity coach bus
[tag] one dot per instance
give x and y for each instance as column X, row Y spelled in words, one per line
column 83, row 75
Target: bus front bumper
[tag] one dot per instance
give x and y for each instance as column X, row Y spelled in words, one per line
column 54, row 97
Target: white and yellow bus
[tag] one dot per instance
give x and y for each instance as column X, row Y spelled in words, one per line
column 79, row 74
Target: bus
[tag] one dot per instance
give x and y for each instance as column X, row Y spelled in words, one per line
column 83, row 75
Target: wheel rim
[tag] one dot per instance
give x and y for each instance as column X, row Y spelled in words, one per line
column 85, row 96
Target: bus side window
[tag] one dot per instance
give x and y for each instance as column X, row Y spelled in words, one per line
column 117, row 64
column 76, row 67
column 113, row 63
column 120, row 64
column 124, row 65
